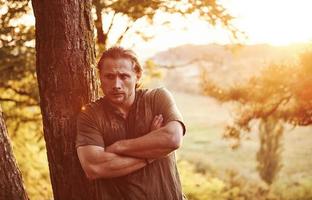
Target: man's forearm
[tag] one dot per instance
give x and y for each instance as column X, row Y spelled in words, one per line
column 142, row 148
column 100, row 164
column 114, row 165
column 155, row 144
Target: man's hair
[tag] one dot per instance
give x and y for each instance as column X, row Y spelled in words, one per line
column 119, row 52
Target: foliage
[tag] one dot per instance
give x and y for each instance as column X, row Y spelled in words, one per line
column 199, row 185
column 152, row 74
column 281, row 93
column 202, row 186
column 131, row 13
column 17, row 67
column 16, row 52
column 280, row 90
column 204, row 153
column 19, row 97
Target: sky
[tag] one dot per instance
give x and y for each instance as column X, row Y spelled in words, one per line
column 275, row 22
column 278, row 22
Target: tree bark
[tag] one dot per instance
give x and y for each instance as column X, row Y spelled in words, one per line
column 11, row 183
column 65, row 57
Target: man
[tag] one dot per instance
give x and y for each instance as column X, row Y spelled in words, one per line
column 126, row 140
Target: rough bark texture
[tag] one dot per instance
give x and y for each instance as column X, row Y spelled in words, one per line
column 65, row 60
column 11, row 183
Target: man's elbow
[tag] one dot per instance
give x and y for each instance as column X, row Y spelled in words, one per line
column 174, row 132
column 175, row 140
column 92, row 172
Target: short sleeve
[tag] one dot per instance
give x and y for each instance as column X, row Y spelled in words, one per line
column 164, row 104
column 88, row 131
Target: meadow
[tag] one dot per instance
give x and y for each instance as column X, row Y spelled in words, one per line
column 207, row 158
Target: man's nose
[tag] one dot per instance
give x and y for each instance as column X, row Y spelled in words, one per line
column 117, row 83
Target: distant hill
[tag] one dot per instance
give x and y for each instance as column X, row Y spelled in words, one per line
column 226, row 64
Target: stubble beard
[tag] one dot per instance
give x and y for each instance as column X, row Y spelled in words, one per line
column 123, row 99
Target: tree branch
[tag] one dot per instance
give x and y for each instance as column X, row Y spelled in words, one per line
column 123, row 34
column 111, row 24
column 101, row 37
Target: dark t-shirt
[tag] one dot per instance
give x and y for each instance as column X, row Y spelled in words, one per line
column 101, row 124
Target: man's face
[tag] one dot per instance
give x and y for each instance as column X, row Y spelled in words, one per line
column 118, row 80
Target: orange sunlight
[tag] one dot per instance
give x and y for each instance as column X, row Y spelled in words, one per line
column 275, row 22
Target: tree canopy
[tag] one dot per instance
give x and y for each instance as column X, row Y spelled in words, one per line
column 280, row 90
column 132, row 12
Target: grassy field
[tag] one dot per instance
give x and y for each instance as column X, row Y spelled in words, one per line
column 203, row 144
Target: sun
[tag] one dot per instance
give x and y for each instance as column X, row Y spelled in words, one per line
column 277, row 22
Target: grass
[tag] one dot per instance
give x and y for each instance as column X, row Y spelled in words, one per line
column 203, row 144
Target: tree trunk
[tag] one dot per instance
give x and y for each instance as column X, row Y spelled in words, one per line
column 66, row 77
column 269, row 154
column 11, row 183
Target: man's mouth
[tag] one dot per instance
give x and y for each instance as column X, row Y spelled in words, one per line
column 117, row 93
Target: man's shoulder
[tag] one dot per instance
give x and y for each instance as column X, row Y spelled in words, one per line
column 155, row 97
column 147, row 93
column 94, row 106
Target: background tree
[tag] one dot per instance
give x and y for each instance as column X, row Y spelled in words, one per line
column 269, row 154
column 11, row 183
column 279, row 94
column 20, row 98
column 110, row 14
column 17, row 69
column 65, row 60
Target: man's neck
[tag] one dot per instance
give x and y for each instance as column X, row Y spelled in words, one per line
column 126, row 106
column 124, row 109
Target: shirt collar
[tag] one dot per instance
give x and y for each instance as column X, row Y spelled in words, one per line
column 113, row 108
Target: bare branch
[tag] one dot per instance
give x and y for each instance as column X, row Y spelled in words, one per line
column 123, row 34
column 111, row 24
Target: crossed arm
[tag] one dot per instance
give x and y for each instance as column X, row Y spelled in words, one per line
column 97, row 163
column 157, row 143
column 126, row 156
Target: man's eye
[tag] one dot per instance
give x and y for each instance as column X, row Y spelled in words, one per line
column 124, row 76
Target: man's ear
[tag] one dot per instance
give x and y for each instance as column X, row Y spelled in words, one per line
column 139, row 75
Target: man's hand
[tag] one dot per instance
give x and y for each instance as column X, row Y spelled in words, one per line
column 157, row 122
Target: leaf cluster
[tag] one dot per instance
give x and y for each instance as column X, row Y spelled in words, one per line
column 280, row 90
